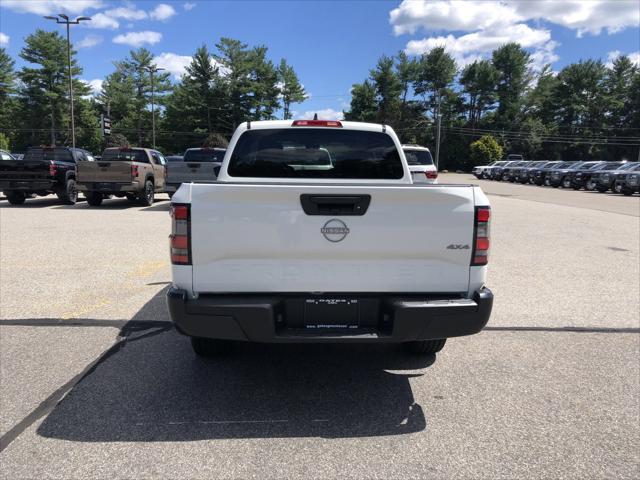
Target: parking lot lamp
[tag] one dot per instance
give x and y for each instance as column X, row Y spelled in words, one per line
column 64, row 20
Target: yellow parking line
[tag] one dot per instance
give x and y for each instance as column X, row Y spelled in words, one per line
column 83, row 311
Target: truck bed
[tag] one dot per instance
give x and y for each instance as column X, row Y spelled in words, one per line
column 185, row 172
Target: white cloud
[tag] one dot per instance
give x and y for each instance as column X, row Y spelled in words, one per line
column 100, row 20
column 105, row 19
column 96, row 86
column 584, row 16
column 489, row 24
column 188, row 6
column 413, row 15
column 467, row 48
column 324, row 114
column 177, row 64
column 4, row 39
column 455, row 15
column 633, row 56
column 544, row 55
column 89, row 41
column 162, row 12
column 48, row 7
column 126, row 13
column 173, row 63
column 137, row 39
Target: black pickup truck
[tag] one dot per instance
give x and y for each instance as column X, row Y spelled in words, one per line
column 42, row 171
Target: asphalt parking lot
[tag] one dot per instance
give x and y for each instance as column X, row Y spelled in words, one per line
column 96, row 384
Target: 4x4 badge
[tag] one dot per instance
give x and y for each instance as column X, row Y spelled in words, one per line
column 457, row 246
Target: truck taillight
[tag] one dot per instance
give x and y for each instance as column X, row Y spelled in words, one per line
column 431, row 175
column 53, row 168
column 481, row 240
column 180, row 238
column 134, row 170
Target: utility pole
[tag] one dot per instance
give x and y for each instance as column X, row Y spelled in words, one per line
column 64, row 20
column 153, row 69
column 439, row 118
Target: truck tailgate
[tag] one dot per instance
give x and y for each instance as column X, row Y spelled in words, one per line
column 24, row 169
column 257, row 238
column 99, row 171
column 185, row 172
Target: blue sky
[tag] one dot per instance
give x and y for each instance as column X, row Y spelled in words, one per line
column 331, row 44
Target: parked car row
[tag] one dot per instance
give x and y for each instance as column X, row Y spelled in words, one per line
column 139, row 173
column 618, row 177
column 131, row 172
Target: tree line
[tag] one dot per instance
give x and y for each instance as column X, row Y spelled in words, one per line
column 588, row 110
column 218, row 91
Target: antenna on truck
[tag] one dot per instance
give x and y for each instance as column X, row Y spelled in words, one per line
column 315, row 116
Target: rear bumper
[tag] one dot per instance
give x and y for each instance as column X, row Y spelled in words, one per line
column 579, row 182
column 109, row 187
column 280, row 318
column 26, row 185
column 555, row 181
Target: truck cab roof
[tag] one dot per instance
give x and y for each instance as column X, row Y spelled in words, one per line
column 412, row 146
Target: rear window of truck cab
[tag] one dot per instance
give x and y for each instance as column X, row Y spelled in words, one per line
column 315, row 153
column 55, row 154
column 204, row 155
column 125, row 156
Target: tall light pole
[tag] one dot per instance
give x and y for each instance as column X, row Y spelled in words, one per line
column 63, row 19
column 438, row 141
column 153, row 69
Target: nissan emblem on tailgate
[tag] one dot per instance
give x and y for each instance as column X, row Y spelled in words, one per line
column 334, row 230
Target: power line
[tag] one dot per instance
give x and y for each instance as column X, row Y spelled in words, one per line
column 542, row 140
column 530, row 133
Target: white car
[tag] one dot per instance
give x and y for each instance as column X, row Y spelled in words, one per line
column 480, row 171
column 420, row 164
column 346, row 249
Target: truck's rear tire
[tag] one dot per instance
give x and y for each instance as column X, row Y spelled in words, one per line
column 425, row 347
column 94, row 198
column 16, row 198
column 147, row 196
column 69, row 194
column 208, row 347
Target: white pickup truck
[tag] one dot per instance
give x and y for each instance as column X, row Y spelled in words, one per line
column 314, row 232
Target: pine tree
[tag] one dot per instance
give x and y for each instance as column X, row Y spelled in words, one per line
column 364, row 107
column 388, row 90
column 8, row 105
column 134, row 73
column 44, row 94
column 512, row 63
column 290, row 88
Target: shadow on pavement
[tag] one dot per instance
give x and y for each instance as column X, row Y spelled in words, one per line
column 40, row 202
column 154, row 388
column 158, row 207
